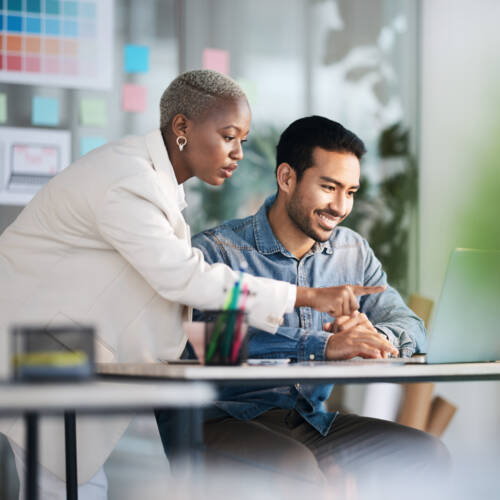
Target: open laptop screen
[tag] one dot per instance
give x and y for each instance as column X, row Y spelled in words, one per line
column 466, row 327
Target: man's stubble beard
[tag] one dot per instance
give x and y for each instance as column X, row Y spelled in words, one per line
column 301, row 221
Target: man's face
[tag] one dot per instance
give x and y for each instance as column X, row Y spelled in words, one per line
column 324, row 196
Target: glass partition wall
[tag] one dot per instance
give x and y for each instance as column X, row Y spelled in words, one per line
column 354, row 61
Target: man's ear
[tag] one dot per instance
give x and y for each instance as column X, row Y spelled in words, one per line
column 286, row 178
column 180, row 125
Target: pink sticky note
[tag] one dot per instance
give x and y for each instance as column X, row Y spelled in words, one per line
column 134, row 97
column 216, row 59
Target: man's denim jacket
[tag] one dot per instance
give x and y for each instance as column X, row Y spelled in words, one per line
column 345, row 258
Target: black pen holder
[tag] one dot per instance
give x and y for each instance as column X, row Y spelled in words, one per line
column 226, row 339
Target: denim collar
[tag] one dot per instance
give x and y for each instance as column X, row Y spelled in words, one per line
column 267, row 243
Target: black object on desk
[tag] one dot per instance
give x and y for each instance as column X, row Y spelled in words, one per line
column 61, row 353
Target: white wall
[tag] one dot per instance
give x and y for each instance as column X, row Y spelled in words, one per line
column 459, row 57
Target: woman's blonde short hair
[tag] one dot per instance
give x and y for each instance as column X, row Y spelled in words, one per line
column 194, row 92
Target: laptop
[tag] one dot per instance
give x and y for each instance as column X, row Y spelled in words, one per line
column 466, row 326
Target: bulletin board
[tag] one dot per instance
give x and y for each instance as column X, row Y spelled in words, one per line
column 64, row 43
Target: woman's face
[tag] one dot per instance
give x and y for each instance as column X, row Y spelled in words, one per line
column 214, row 143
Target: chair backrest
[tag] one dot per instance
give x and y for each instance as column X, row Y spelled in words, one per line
column 422, row 307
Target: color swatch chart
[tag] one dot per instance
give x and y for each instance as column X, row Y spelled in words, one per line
column 57, row 42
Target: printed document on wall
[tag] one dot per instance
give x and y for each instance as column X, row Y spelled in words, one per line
column 29, row 158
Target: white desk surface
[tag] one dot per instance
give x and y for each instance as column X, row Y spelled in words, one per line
column 319, row 371
column 99, row 395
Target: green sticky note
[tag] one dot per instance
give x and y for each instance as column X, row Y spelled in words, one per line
column 250, row 89
column 93, row 112
column 3, row 108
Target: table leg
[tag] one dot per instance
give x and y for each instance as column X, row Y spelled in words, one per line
column 31, row 422
column 186, row 439
column 70, row 449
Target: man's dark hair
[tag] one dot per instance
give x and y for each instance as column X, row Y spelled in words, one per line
column 298, row 141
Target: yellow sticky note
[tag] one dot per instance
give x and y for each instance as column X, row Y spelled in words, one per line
column 93, row 112
column 3, row 108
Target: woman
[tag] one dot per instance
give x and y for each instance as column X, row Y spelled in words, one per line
column 105, row 243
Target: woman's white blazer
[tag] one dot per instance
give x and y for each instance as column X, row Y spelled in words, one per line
column 105, row 243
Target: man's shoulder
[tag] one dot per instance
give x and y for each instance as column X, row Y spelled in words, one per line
column 230, row 233
column 345, row 237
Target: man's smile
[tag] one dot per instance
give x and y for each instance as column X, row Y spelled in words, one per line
column 327, row 220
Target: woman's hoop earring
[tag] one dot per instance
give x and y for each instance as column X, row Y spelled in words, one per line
column 181, row 142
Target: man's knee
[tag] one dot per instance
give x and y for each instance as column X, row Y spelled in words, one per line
column 250, row 445
column 433, row 454
column 416, row 451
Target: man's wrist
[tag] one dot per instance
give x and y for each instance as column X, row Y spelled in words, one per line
column 313, row 346
column 304, row 296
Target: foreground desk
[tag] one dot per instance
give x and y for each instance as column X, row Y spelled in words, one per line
column 32, row 400
column 338, row 372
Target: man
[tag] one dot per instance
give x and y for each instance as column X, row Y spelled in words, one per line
column 295, row 237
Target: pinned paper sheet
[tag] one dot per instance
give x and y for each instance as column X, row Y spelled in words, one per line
column 134, row 98
column 93, row 112
column 89, row 143
column 216, row 59
column 45, row 111
column 250, row 89
column 3, row 108
column 136, row 59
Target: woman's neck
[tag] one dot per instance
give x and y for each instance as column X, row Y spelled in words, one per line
column 182, row 173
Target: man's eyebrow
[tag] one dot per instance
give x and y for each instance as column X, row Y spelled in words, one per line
column 337, row 183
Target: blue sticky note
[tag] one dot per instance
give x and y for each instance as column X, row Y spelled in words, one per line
column 45, row 111
column 89, row 143
column 136, row 59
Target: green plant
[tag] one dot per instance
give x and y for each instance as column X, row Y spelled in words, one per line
column 382, row 213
